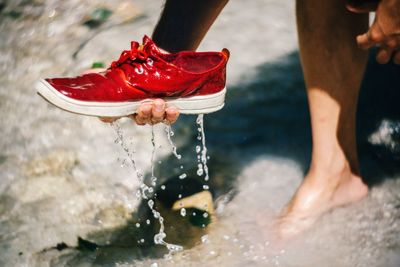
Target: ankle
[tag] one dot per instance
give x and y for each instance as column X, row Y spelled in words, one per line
column 331, row 164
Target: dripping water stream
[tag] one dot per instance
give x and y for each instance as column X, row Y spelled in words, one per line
column 145, row 191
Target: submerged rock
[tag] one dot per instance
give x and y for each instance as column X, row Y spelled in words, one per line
column 56, row 162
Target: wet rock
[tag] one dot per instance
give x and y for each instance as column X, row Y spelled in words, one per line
column 55, row 163
column 2, row 159
column 113, row 215
column 42, row 187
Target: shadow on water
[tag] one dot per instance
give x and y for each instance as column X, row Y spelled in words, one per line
column 379, row 109
column 266, row 115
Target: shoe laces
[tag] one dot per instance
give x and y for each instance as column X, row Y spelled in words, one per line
column 135, row 55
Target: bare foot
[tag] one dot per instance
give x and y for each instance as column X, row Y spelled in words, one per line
column 319, row 192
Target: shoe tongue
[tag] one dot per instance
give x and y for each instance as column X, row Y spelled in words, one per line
column 147, row 40
column 148, row 44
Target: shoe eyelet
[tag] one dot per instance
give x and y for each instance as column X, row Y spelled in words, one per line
column 150, row 61
column 139, row 70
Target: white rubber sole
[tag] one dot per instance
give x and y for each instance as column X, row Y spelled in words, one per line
column 188, row 105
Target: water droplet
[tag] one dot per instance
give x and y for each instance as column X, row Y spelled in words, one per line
column 137, row 225
column 183, row 176
column 183, row 212
column 200, row 172
column 198, row 149
column 180, row 196
column 170, row 133
column 159, row 238
column 163, row 187
column 143, row 188
column 204, row 239
column 205, row 214
column 206, row 187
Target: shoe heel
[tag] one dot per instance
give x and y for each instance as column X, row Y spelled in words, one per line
column 214, row 85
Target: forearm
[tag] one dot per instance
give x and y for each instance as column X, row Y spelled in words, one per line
column 183, row 23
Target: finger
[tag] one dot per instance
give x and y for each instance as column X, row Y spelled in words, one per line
column 172, row 115
column 143, row 115
column 158, row 111
column 384, row 54
column 376, row 35
column 364, row 41
column 136, row 120
column 396, row 57
column 108, row 119
column 372, row 37
column 391, row 42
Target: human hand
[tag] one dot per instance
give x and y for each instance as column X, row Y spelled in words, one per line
column 384, row 32
column 149, row 112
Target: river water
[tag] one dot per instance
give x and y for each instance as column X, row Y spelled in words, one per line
column 68, row 196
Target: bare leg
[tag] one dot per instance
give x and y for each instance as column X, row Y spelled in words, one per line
column 184, row 23
column 333, row 67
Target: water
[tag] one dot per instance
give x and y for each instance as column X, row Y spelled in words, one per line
column 202, row 152
column 59, row 178
column 145, row 190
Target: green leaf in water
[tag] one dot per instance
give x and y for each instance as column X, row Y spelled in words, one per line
column 98, row 64
column 98, row 17
column 13, row 14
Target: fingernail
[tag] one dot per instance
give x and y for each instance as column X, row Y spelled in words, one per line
column 159, row 106
column 171, row 110
column 146, row 108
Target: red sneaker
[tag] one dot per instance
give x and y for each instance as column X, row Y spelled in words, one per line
column 193, row 82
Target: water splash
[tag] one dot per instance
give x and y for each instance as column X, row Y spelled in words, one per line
column 130, row 154
column 201, row 151
column 153, row 178
column 144, row 189
column 183, row 212
column 170, row 133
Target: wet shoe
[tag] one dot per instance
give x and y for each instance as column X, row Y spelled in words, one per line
column 193, row 82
